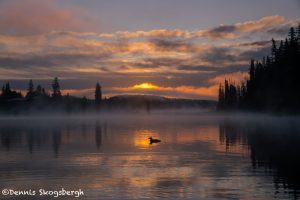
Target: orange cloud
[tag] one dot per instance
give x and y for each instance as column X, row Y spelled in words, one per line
column 236, row 77
column 258, row 25
column 153, row 33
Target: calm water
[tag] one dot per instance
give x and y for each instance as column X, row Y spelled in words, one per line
column 198, row 157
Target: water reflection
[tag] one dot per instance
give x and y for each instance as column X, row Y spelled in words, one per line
column 98, row 135
column 112, row 159
column 274, row 147
column 141, row 138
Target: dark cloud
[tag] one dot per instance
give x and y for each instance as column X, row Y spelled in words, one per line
column 152, row 63
column 215, row 70
column 223, row 31
column 280, row 30
column 49, row 60
column 162, row 61
column 17, row 62
column 172, row 45
column 224, row 28
column 231, row 69
column 262, row 43
column 219, row 55
column 256, row 54
column 203, row 68
column 248, row 27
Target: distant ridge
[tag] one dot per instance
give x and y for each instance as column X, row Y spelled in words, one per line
column 140, row 96
column 158, row 102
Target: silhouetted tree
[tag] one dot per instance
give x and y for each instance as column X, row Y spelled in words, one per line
column 228, row 96
column 274, row 50
column 39, row 89
column 30, row 90
column 221, row 102
column 8, row 94
column 56, row 89
column 98, row 94
column 273, row 82
column 30, row 87
column 7, row 88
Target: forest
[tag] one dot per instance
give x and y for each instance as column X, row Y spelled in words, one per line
column 273, row 82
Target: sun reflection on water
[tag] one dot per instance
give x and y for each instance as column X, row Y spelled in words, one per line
column 141, row 138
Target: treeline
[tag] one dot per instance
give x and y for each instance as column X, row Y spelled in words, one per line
column 273, row 83
column 37, row 99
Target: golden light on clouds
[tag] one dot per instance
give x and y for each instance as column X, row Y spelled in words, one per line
column 88, row 70
column 209, row 92
column 174, row 63
column 145, row 86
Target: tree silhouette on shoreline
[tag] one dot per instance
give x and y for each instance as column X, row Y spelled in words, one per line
column 56, row 89
column 273, row 83
column 98, row 95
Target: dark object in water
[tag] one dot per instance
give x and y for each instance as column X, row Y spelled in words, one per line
column 153, row 140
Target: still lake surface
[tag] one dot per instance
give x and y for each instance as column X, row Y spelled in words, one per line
column 198, row 157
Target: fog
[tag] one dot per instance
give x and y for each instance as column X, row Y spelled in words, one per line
column 156, row 116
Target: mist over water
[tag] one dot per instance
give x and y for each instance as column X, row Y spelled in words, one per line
column 200, row 156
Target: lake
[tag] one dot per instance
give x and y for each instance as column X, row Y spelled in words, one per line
column 199, row 157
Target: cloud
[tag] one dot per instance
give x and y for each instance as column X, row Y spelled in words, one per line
column 171, row 45
column 234, row 31
column 235, row 77
column 213, row 70
column 255, row 53
column 225, row 32
column 48, row 60
column 261, row 24
column 35, row 17
column 219, row 55
column 182, row 63
column 220, row 32
column 255, row 44
column 284, row 28
column 197, row 68
column 160, row 33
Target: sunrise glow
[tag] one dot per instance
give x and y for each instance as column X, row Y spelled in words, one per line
column 178, row 57
column 145, row 86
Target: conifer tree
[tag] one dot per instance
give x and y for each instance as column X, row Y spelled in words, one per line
column 56, row 89
column 98, row 94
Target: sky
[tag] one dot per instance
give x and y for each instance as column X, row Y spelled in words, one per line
column 173, row 48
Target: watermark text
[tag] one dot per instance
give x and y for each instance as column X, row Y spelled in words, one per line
column 43, row 192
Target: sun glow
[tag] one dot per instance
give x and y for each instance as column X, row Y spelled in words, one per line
column 145, row 86
column 141, row 139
